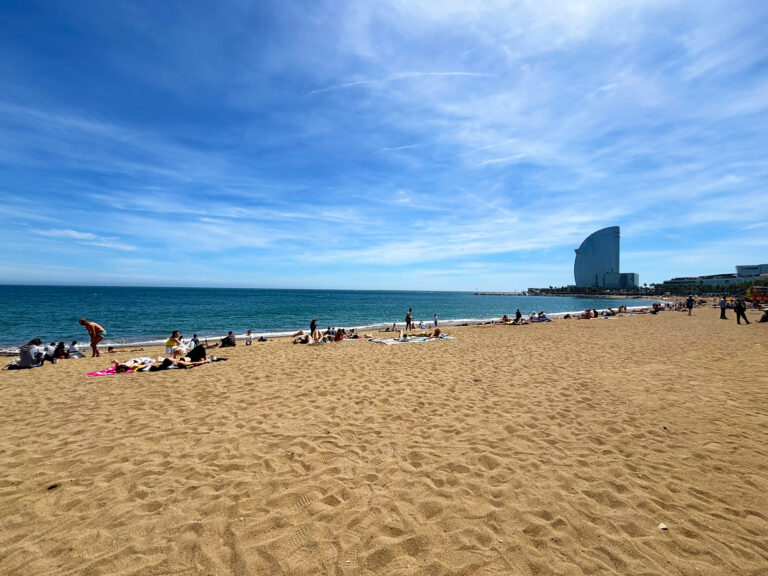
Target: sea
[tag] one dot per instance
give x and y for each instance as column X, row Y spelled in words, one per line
column 147, row 316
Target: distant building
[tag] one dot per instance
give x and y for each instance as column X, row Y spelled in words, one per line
column 743, row 274
column 597, row 262
column 629, row 280
column 751, row 270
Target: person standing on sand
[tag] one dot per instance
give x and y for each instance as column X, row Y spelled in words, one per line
column 313, row 326
column 96, row 332
column 740, row 309
column 689, row 304
column 435, row 320
column 723, row 306
column 409, row 319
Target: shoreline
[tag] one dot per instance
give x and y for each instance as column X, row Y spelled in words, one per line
column 10, row 351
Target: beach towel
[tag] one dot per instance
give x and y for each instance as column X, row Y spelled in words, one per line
column 392, row 341
column 107, row 372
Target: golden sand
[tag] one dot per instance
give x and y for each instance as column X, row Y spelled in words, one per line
column 549, row 449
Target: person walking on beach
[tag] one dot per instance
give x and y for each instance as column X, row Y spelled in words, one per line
column 409, row 319
column 96, row 332
column 689, row 304
column 723, row 306
column 740, row 309
column 435, row 320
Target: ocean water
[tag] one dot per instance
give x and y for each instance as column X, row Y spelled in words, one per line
column 133, row 315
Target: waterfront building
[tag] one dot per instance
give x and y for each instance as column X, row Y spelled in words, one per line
column 597, row 262
column 743, row 274
column 752, row 270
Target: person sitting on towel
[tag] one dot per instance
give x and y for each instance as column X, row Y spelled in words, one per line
column 73, row 352
column 60, row 351
column 172, row 342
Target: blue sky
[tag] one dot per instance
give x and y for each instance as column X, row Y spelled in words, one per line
column 396, row 144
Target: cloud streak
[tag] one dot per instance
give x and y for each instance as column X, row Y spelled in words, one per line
column 396, row 77
column 88, row 239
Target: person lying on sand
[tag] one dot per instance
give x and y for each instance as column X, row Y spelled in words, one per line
column 133, row 364
column 301, row 338
column 113, row 350
column 195, row 357
column 170, row 363
column 429, row 334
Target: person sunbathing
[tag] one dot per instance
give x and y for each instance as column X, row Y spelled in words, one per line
column 133, row 364
column 429, row 334
column 302, row 337
column 194, row 357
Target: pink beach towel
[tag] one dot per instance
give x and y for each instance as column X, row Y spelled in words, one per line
column 107, row 372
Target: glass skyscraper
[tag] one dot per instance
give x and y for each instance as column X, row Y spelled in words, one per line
column 597, row 262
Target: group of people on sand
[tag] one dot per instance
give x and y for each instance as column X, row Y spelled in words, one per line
column 409, row 325
column 180, row 357
column 518, row 318
column 739, row 306
column 179, row 353
column 177, row 343
column 34, row 353
column 315, row 336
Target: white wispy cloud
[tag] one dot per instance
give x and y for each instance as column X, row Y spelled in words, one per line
column 87, row 238
column 395, row 77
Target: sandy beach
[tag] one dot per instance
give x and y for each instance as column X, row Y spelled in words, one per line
column 557, row 448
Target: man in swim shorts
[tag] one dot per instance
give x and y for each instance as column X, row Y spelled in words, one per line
column 96, row 332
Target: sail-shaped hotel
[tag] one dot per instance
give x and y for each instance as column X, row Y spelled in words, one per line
column 597, row 262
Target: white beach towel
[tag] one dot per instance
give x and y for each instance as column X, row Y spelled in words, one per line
column 391, row 341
